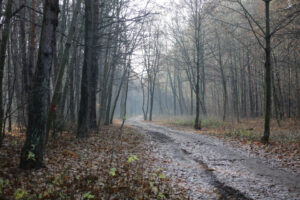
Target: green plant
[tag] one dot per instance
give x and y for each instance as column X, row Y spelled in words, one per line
column 132, row 158
column 162, row 176
column 3, row 184
column 161, row 196
column 20, row 193
column 112, row 171
column 88, row 195
column 59, row 179
column 30, row 156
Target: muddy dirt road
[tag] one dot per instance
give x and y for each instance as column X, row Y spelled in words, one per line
column 213, row 170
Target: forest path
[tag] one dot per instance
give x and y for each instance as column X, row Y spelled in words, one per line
column 213, row 170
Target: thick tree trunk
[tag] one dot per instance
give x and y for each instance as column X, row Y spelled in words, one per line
column 25, row 70
column 83, row 114
column 3, row 48
column 34, row 147
column 94, row 68
column 32, row 44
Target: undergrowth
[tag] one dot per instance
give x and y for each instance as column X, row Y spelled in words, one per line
column 209, row 122
column 248, row 129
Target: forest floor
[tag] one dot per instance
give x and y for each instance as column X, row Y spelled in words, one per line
column 214, row 166
column 113, row 164
column 160, row 163
column 284, row 147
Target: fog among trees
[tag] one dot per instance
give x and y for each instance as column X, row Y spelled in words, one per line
column 84, row 67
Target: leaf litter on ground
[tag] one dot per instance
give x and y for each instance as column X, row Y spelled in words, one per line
column 112, row 164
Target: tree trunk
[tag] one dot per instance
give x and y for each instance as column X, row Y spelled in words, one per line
column 297, row 85
column 10, row 89
column 173, row 90
column 83, row 114
column 125, row 100
column 234, row 86
column 250, row 85
column 110, row 89
column 117, row 96
column 192, row 101
column 3, row 48
column 198, row 27
column 265, row 138
column 197, row 123
column 143, row 104
column 151, row 100
column 63, row 63
column 71, row 86
column 18, row 82
column 94, row 68
column 34, row 147
column 203, row 85
column 32, row 44
column 25, row 70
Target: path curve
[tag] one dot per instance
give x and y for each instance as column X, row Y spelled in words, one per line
column 213, row 170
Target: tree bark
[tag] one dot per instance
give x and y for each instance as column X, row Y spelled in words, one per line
column 3, row 48
column 63, row 63
column 25, row 70
column 34, row 147
column 94, row 67
column 32, row 44
column 265, row 138
column 84, row 115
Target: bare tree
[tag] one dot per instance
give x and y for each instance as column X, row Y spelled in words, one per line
column 34, row 147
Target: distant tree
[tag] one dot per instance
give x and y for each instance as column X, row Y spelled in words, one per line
column 151, row 61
